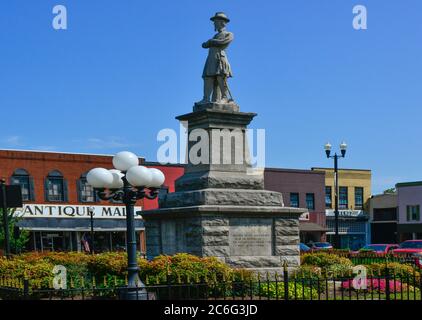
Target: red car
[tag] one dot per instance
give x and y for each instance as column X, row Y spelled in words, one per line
column 409, row 246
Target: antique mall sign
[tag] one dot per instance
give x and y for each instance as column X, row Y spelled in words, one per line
column 73, row 211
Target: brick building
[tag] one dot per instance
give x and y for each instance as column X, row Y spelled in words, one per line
column 302, row 189
column 57, row 199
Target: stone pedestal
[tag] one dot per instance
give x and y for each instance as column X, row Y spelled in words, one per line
column 253, row 237
column 220, row 207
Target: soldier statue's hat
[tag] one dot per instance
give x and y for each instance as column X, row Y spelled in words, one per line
column 220, row 16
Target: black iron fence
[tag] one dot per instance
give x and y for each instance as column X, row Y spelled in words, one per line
column 384, row 277
column 371, row 257
column 285, row 286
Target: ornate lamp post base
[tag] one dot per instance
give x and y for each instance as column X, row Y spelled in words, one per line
column 133, row 293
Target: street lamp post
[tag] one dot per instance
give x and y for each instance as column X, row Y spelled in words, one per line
column 91, row 216
column 343, row 147
column 5, row 218
column 128, row 182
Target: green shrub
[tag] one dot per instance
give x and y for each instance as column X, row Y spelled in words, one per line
column 276, row 291
column 108, row 264
column 324, row 260
column 405, row 272
column 338, row 270
column 184, row 267
column 310, row 276
column 18, row 269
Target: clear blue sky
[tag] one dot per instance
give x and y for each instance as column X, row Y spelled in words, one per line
column 124, row 69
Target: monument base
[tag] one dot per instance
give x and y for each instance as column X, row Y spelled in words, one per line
column 259, row 238
column 229, row 106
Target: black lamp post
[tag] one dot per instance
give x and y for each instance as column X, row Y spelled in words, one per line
column 91, row 217
column 5, row 218
column 343, row 147
column 128, row 183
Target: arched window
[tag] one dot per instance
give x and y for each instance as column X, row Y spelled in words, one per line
column 86, row 192
column 55, row 187
column 21, row 177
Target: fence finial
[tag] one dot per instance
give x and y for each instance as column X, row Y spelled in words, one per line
column 285, row 266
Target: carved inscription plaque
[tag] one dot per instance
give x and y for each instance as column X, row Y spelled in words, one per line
column 250, row 237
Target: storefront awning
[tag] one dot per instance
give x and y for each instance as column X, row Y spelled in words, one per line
column 69, row 224
column 311, row 227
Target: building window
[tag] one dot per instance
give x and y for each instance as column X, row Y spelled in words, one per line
column 86, row 192
column 21, row 177
column 343, row 201
column 359, row 198
column 328, row 197
column 294, row 200
column 55, row 187
column 310, row 201
column 413, row 213
column 385, row 214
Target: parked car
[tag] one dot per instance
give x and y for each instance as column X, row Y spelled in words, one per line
column 378, row 248
column 409, row 246
column 418, row 259
column 303, row 247
column 320, row 245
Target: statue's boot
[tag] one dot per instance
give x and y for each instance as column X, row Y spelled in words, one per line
column 203, row 101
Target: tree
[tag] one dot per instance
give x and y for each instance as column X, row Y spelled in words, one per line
column 17, row 241
column 391, row 190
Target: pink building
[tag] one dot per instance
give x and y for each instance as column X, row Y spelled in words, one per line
column 409, row 196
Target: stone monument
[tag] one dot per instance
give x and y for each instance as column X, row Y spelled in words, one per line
column 220, row 207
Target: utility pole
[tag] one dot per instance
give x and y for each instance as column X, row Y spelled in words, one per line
column 5, row 218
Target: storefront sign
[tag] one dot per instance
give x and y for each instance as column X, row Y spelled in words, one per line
column 73, row 211
column 346, row 213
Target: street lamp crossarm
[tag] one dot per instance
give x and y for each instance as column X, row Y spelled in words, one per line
column 116, row 195
column 153, row 193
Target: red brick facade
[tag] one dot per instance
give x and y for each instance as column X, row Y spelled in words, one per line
column 39, row 164
column 71, row 166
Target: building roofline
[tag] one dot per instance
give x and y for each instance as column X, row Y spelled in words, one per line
column 340, row 169
column 62, row 152
column 294, row 170
column 156, row 163
column 383, row 195
column 409, row 184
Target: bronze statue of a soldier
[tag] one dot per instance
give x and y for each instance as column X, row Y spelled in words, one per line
column 217, row 68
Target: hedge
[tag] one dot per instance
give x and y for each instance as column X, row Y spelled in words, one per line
column 108, row 268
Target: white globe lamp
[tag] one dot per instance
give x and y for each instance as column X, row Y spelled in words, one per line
column 99, row 178
column 117, row 179
column 157, row 178
column 139, row 176
column 125, row 160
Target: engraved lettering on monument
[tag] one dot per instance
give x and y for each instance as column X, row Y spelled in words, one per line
column 250, row 237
